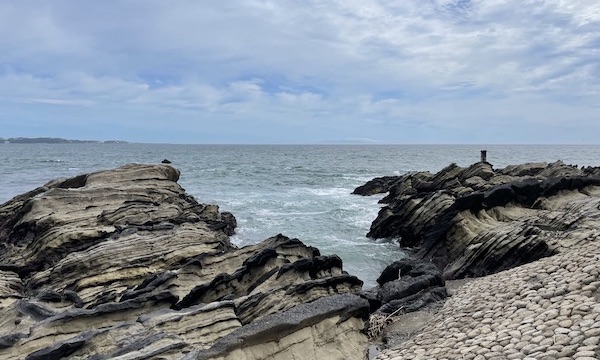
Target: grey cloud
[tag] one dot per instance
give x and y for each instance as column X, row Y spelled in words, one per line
column 446, row 64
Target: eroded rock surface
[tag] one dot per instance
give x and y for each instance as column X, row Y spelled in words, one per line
column 528, row 236
column 476, row 221
column 123, row 264
column 408, row 285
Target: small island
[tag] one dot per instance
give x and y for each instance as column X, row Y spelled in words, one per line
column 51, row 140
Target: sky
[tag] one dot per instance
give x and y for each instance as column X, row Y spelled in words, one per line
column 302, row 71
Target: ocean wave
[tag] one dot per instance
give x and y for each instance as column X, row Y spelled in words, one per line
column 269, row 213
column 300, row 191
column 332, row 191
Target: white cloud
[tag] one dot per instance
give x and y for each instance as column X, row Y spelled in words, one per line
column 62, row 102
column 438, row 65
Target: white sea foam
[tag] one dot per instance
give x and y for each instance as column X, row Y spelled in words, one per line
column 329, row 191
column 300, row 191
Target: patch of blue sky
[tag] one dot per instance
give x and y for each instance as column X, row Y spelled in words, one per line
column 385, row 51
column 457, row 10
column 35, row 68
column 465, row 88
column 392, row 95
column 458, row 7
column 7, row 67
column 591, row 48
column 158, row 80
column 272, row 83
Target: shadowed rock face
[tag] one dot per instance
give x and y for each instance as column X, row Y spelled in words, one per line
column 408, row 285
column 124, row 264
column 476, row 221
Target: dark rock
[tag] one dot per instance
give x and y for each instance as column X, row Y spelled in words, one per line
column 408, row 185
column 371, row 296
column 414, row 302
column 405, row 287
column 61, row 349
column 50, row 295
column 408, row 285
column 476, row 221
column 33, row 309
column 376, row 186
column 73, row 297
column 407, row 267
column 312, row 266
column 230, row 223
column 226, row 223
column 9, row 340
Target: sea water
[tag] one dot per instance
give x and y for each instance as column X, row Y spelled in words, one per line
column 302, row 191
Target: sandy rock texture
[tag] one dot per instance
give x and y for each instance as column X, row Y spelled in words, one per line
column 123, row 264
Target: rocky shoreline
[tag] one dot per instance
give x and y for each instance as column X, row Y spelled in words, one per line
column 124, row 264
column 525, row 238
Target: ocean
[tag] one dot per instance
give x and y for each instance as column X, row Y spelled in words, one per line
column 301, row 191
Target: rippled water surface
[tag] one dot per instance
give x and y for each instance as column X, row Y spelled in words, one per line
column 300, row 191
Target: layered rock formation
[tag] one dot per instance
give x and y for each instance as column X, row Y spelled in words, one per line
column 476, row 221
column 123, row 264
column 529, row 235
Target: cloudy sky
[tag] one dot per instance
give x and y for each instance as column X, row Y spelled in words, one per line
column 302, row 71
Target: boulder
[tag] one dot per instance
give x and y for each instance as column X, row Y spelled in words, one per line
column 124, row 264
column 475, row 221
column 408, row 285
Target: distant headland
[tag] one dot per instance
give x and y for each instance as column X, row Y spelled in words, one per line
column 51, row 140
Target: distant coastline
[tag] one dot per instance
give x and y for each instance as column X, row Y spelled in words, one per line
column 51, row 140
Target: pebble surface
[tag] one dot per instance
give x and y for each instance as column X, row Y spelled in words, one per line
column 545, row 310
